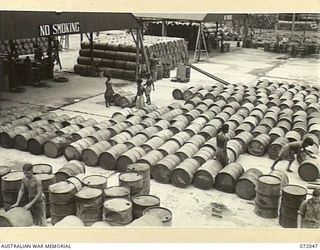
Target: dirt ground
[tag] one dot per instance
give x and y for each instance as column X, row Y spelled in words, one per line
column 191, row 207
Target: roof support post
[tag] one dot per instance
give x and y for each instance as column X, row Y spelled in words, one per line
column 196, row 57
column 91, row 48
column 137, row 41
column 146, row 59
column 163, row 28
column 198, row 50
column 293, row 24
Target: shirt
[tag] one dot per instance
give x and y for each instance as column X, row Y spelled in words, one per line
column 309, row 211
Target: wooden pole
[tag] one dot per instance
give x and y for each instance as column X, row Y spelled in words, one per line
column 91, row 48
column 293, row 23
column 204, row 44
column 200, row 32
column 196, row 49
column 163, row 28
column 276, row 25
column 137, row 41
column 144, row 51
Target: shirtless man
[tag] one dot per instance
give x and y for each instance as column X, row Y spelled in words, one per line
column 222, row 140
column 32, row 184
column 289, row 150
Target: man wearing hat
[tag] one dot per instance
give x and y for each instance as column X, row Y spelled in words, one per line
column 309, row 212
column 36, row 199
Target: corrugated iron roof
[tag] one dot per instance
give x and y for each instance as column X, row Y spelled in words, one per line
column 26, row 24
column 196, row 17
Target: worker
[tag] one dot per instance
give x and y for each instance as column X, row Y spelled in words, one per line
column 38, row 55
column 149, row 85
column 252, row 33
column 50, row 64
column 222, row 140
column 36, row 199
column 309, row 212
column 289, row 150
column 139, row 100
column 222, row 41
column 27, row 65
column 108, row 95
column 154, row 66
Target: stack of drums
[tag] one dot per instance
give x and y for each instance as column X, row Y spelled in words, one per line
column 62, row 200
column 268, row 191
column 46, row 180
column 292, row 197
column 117, row 211
column 3, row 171
column 72, row 168
column 11, row 184
column 144, row 170
column 246, row 185
column 89, row 205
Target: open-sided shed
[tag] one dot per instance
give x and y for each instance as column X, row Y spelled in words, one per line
column 29, row 24
column 32, row 24
column 199, row 18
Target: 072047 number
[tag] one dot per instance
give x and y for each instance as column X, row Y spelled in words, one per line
column 308, row 246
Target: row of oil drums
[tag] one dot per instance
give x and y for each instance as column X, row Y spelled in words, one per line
column 88, row 70
column 118, row 56
column 284, row 95
column 276, row 124
column 25, row 46
column 293, row 49
column 9, row 116
column 275, row 197
column 272, row 194
column 91, row 200
column 223, row 117
column 234, row 150
column 71, row 192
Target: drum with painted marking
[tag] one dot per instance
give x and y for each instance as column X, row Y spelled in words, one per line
column 205, row 176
